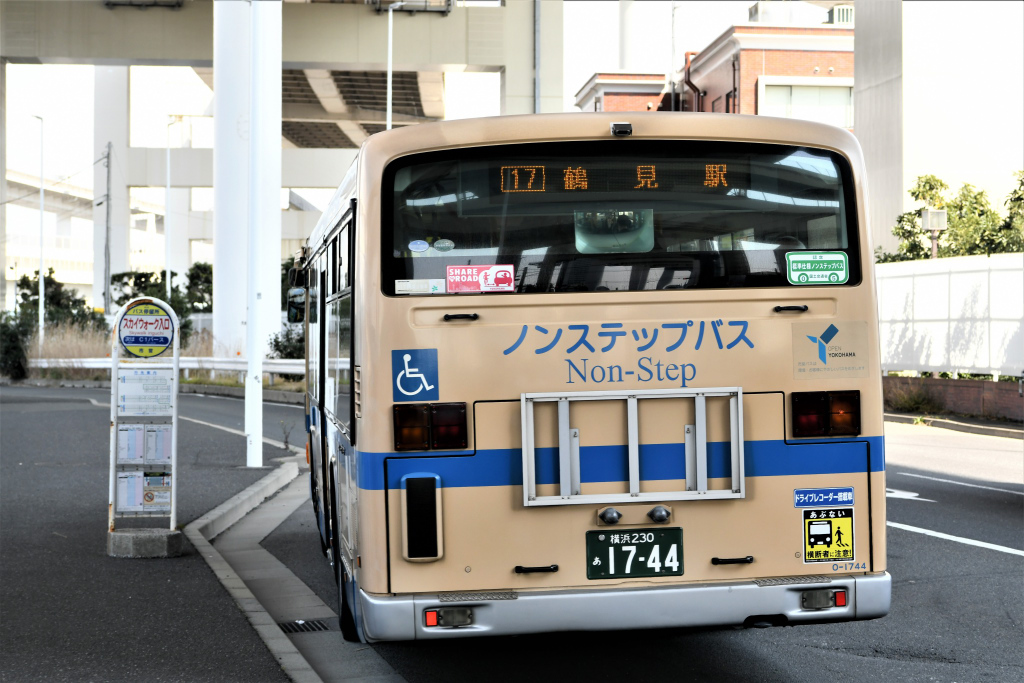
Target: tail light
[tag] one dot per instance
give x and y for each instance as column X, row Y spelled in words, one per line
column 447, row 425
column 426, row 426
column 826, row 413
column 412, row 427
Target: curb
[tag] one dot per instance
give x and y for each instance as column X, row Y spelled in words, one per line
column 204, row 529
column 271, row 395
column 943, row 423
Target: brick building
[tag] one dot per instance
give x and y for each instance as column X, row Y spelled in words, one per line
column 793, row 59
column 620, row 91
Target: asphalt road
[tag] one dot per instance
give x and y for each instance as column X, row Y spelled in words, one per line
column 956, row 613
column 70, row 613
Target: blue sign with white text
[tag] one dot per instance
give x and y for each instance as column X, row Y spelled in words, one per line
column 414, row 375
column 812, row 498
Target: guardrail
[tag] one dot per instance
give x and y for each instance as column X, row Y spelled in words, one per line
column 271, row 366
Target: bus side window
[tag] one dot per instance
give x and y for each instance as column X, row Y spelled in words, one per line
column 313, row 329
column 341, row 316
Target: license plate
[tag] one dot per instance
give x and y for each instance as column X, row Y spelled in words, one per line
column 635, row 553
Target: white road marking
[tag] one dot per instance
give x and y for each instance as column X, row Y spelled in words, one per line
column 958, row 539
column 961, row 483
column 906, row 495
column 272, row 442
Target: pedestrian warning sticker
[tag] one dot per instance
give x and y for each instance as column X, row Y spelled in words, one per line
column 828, row 535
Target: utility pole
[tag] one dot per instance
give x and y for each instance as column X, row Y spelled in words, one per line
column 391, row 29
column 106, row 242
column 42, row 275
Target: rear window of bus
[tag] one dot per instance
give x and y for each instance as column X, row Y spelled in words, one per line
column 614, row 216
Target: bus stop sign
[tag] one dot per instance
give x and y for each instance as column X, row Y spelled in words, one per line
column 146, row 330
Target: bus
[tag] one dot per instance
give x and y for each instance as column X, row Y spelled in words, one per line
column 596, row 372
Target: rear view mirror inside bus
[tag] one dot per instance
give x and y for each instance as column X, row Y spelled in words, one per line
column 296, row 305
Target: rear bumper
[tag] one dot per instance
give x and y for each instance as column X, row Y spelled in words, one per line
column 400, row 617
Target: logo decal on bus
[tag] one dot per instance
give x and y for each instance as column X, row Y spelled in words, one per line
column 414, row 375
column 822, row 341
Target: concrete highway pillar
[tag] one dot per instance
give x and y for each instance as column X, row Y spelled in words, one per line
column 267, row 161
column 230, row 174
column 176, row 232
column 110, row 124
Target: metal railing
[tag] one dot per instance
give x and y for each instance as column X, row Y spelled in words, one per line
column 271, row 366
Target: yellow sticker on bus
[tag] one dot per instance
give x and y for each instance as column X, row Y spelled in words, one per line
column 828, row 535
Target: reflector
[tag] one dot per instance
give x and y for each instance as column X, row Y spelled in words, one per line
column 840, row 598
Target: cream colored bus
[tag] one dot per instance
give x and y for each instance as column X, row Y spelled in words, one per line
column 596, row 372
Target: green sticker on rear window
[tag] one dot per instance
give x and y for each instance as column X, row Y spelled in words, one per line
column 817, row 267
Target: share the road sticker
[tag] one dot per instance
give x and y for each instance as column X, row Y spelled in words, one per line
column 828, row 535
column 146, row 330
column 817, row 268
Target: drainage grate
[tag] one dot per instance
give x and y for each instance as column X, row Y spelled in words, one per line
column 303, row 626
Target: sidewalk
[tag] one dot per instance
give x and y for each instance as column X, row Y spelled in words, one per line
column 972, row 425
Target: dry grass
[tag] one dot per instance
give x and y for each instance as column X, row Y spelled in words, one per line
column 200, row 345
column 68, row 342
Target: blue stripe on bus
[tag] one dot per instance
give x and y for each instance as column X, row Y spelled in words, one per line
column 503, row 467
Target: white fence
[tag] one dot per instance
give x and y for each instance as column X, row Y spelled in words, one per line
column 962, row 314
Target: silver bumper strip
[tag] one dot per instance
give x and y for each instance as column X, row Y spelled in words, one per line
column 387, row 617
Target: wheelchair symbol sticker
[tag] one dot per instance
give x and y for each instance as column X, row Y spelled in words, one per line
column 414, row 375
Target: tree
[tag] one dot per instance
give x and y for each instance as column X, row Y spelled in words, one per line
column 973, row 227
column 132, row 284
column 14, row 334
column 913, row 239
column 61, row 306
column 929, row 189
column 1015, row 205
column 199, row 291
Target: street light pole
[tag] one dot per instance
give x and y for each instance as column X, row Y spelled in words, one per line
column 391, row 23
column 167, row 213
column 42, row 205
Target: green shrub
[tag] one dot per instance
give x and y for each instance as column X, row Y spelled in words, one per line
column 909, row 399
column 14, row 336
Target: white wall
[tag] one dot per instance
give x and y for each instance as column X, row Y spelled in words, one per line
column 961, row 314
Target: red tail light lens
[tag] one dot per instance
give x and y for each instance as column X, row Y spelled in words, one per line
column 426, row 426
column 844, row 413
column 448, row 425
column 826, row 413
column 412, row 427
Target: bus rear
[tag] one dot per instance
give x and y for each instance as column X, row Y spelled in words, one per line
column 609, row 381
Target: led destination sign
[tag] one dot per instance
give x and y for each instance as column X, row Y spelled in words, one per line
column 601, row 176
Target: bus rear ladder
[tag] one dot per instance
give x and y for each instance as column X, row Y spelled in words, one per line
column 696, row 447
